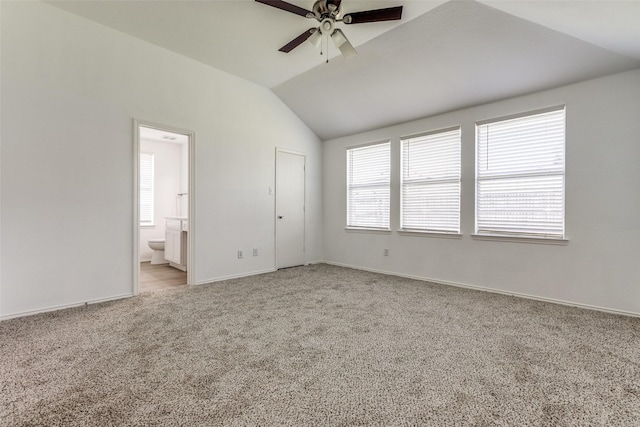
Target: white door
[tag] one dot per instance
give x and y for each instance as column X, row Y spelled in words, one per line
column 290, row 175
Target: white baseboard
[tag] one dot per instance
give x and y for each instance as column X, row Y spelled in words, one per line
column 235, row 276
column 390, row 273
column 493, row 290
column 62, row 307
column 253, row 273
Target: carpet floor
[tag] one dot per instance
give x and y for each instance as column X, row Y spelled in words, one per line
column 321, row 345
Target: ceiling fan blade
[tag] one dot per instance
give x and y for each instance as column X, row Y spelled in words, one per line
column 279, row 4
column 297, row 41
column 341, row 42
column 378, row 15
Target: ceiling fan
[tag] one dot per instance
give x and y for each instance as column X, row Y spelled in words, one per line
column 328, row 13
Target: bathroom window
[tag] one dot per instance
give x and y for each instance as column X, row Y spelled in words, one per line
column 146, row 189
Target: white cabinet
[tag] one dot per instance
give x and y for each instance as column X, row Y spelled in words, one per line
column 172, row 246
column 175, row 247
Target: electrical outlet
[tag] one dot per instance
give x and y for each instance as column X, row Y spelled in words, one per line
column 255, row 251
column 239, row 253
column 386, row 252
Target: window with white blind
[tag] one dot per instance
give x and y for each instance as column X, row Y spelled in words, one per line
column 520, row 175
column 430, row 186
column 146, row 189
column 369, row 186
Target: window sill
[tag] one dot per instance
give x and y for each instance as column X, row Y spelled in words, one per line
column 440, row 235
column 521, row 239
column 367, row 230
column 147, row 226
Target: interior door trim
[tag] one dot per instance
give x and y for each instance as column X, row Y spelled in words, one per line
column 191, row 235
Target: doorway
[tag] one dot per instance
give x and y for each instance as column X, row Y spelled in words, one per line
column 290, row 209
column 163, row 207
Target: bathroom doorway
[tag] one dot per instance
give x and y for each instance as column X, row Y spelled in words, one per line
column 163, row 207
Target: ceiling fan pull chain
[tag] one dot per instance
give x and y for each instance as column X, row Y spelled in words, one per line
column 327, row 38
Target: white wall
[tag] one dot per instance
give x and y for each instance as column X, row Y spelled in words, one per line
column 70, row 91
column 167, row 183
column 599, row 267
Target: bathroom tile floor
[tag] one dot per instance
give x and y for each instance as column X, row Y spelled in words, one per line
column 156, row 277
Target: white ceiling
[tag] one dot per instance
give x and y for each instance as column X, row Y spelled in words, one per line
column 442, row 56
column 157, row 135
column 241, row 37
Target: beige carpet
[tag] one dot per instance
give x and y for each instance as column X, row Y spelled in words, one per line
column 321, row 345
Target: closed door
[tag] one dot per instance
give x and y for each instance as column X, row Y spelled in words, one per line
column 290, row 177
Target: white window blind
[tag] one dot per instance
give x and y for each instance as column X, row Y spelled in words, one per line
column 430, row 196
column 520, row 176
column 146, row 189
column 369, row 186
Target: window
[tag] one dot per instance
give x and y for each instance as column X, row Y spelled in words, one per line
column 369, row 186
column 430, row 196
column 520, row 176
column 146, row 189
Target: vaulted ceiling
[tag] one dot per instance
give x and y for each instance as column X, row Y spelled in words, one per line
column 442, row 56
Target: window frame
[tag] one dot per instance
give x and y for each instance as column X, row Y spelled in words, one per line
column 404, row 141
column 351, row 226
column 486, row 233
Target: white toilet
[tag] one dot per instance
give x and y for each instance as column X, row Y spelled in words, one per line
column 158, row 251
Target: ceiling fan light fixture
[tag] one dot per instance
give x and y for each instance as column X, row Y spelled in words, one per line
column 341, row 42
column 315, row 38
column 327, row 26
column 338, row 38
column 348, row 51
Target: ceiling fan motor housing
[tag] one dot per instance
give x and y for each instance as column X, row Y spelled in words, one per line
column 327, row 26
column 326, row 9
